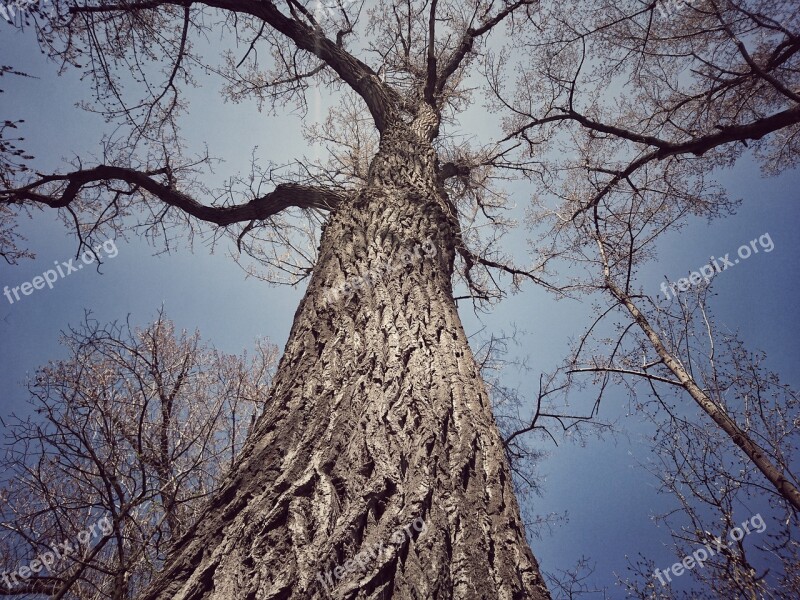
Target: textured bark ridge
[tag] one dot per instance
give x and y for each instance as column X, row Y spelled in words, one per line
column 377, row 470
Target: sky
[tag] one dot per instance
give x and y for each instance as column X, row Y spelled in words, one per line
column 608, row 497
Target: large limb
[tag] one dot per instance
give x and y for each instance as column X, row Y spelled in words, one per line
column 724, row 103
column 659, row 149
column 284, row 195
column 663, row 148
column 380, row 99
column 468, row 40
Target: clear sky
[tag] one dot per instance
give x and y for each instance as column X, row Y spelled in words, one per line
column 609, row 498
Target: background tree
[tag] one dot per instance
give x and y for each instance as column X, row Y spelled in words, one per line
column 716, row 488
column 644, row 104
column 136, row 425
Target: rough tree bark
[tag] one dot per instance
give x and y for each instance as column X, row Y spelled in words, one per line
column 378, row 442
column 377, row 420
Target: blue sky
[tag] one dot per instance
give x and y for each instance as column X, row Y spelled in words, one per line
column 607, row 495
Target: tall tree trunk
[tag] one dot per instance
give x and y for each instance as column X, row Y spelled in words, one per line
column 377, row 470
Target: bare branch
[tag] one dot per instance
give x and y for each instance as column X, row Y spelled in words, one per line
column 284, row 196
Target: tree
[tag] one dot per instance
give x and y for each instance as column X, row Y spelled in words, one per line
column 702, row 87
column 714, row 488
column 378, row 420
column 648, row 160
column 136, row 428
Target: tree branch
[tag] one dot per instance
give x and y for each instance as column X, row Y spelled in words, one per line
column 644, row 374
column 430, row 81
column 468, row 39
column 285, row 195
column 664, row 149
column 380, row 99
column 449, row 169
